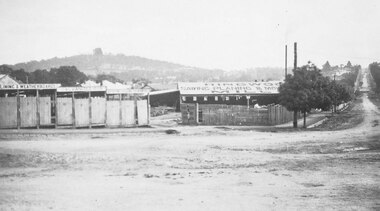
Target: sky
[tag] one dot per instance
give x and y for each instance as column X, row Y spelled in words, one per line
column 217, row 34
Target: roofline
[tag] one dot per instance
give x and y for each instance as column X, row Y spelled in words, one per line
column 230, row 94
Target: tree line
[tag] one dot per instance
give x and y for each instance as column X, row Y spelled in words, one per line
column 308, row 89
column 374, row 68
column 64, row 75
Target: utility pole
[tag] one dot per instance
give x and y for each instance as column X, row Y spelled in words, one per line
column 295, row 55
column 286, row 60
column 295, row 113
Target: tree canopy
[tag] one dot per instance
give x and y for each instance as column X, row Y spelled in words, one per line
column 65, row 75
column 375, row 72
column 308, row 89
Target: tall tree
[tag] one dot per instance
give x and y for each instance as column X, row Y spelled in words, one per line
column 304, row 90
column 326, row 66
column 67, row 76
column 348, row 65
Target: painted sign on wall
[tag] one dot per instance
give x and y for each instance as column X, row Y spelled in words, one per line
column 212, row 88
column 30, row 86
column 82, row 89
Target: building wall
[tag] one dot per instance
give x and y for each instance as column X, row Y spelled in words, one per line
column 220, row 114
column 231, row 100
column 81, row 112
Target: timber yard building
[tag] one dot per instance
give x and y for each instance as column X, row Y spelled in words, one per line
column 232, row 103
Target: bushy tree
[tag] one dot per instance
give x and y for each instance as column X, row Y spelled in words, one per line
column 375, row 72
column 307, row 89
column 102, row 77
column 5, row 69
column 20, row 75
column 326, row 66
column 67, row 76
column 41, row 76
column 348, row 65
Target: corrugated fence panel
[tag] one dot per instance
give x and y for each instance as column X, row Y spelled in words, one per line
column 128, row 113
column 142, row 112
column 45, row 111
column 28, row 111
column 98, row 110
column 113, row 113
column 8, row 112
column 82, row 112
column 64, row 111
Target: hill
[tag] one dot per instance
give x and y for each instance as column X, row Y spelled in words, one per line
column 127, row 68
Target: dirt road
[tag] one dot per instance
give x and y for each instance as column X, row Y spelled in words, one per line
column 198, row 168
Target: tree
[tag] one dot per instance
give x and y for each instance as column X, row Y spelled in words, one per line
column 348, row 65
column 67, row 76
column 20, row 75
column 294, row 93
column 142, row 82
column 102, row 77
column 375, row 72
column 5, row 69
column 326, row 66
column 339, row 94
column 306, row 89
column 41, row 76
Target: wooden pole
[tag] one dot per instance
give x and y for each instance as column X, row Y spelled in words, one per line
column 105, row 112
column 89, row 110
column 148, row 104
column 38, row 109
column 196, row 113
column 136, row 112
column 286, row 60
column 18, row 110
column 55, row 109
column 120, row 111
column 295, row 56
column 73, row 108
column 295, row 114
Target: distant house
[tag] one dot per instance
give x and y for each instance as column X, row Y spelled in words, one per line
column 7, row 81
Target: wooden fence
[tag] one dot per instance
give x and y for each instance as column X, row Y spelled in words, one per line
column 218, row 114
column 30, row 112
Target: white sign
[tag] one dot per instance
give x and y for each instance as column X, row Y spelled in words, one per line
column 30, row 86
column 82, row 89
column 127, row 91
column 216, row 88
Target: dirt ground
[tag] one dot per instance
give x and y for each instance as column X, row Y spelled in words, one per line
column 197, row 168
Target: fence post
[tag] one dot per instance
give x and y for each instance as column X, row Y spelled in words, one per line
column 105, row 113
column 136, row 112
column 55, row 109
column 196, row 113
column 89, row 109
column 148, row 105
column 73, row 108
column 18, row 110
column 120, row 111
column 38, row 109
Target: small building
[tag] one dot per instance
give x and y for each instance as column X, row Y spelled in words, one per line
column 232, row 103
column 7, row 81
column 50, row 105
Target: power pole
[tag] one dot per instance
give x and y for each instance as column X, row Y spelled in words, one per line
column 286, row 60
column 295, row 55
column 295, row 113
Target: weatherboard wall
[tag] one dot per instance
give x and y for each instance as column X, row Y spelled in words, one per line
column 220, row 114
column 26, row 112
